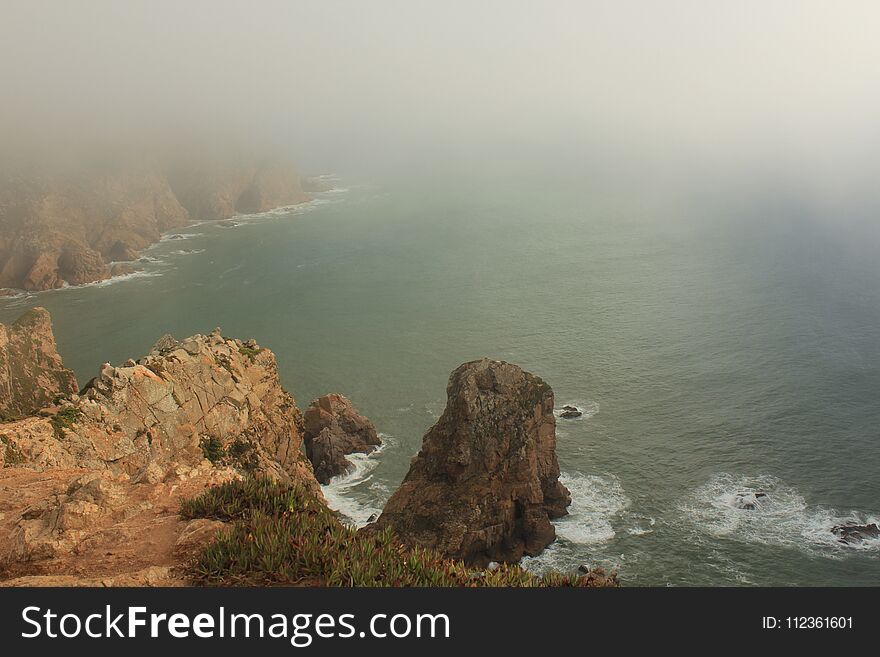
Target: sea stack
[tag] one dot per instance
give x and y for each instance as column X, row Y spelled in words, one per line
column 485, row 484
column 334, row 429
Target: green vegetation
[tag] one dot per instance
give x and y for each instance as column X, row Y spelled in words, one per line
column 64, row 419
column 11, row 454
column 8, row 416
column 212, row 448
column 250, row 352
column 284, row 535
column 243, row 455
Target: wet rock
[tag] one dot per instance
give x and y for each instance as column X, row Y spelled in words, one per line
column 334, row 429
column 485, row 484
column 570, row 412
column 747, row 501
column 854, row 533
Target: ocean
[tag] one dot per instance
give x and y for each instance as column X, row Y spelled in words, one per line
column 719, row 343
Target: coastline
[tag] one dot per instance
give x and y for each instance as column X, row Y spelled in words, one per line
column 134, row 271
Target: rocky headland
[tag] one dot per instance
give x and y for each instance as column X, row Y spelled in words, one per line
column 188, row 466
column 90, row 486
column 62, row 226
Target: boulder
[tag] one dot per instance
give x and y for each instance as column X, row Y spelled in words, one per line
column 485, row 485
column 570, row 412
column 334, row 429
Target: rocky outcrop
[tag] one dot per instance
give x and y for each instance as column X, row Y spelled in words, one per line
column 334, row 429
column 485, row 484
column 31, row 372
column 61, row 228
column 103, row 472
column 206, row 396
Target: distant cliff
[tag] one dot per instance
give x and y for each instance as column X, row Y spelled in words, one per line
column 60, row 228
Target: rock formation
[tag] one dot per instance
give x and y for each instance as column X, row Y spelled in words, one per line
column 484, row 486
column 31, row 372
column 60, row 227
column 853, row 533
column 91, row 486
column 333, row 429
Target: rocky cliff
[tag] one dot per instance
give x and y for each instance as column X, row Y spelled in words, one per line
column 31, row 372
column 60, row 228
column 485, row 484
column 90, row 488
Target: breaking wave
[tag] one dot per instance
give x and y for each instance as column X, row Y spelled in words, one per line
column 727, row 507
column 341, row 493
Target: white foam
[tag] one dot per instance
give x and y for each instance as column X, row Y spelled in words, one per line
column 118, row 279
column 340, row 493
column 587, row 408
column 782, row 517
column 168, row 237
column 181, row 252
column 596, row 501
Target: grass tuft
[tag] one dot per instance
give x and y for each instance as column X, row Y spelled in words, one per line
column 250, row 352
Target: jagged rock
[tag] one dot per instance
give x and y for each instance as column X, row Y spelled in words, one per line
column 333, row 429
column 747, row 501
column 31, row 372
column 569, row 412
column 164, row 345
column 851, row 533
column 485, row 484
column 145, row 419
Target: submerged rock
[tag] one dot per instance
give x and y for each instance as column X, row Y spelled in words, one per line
column 851, row 533
column 747, row 501
column 334, row 429
column 485, row 484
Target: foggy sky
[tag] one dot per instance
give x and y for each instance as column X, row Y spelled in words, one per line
column 749, row 81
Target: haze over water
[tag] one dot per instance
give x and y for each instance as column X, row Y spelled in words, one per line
column 723, row 338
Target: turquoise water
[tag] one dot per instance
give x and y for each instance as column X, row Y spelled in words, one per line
column 717, row 347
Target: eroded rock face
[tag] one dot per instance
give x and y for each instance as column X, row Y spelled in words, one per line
column 93, row 488
column 206, row 395
column 334, row 429
column 67, row 227
column 31, row 372
column 485, row 484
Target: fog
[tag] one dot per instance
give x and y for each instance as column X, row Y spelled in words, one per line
column 789, row 87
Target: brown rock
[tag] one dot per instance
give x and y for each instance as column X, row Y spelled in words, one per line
column 484, row 486
column 31, row 372
column 333, row 429
column 64, row 225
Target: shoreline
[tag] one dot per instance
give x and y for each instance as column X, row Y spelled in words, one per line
column 17, row 294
